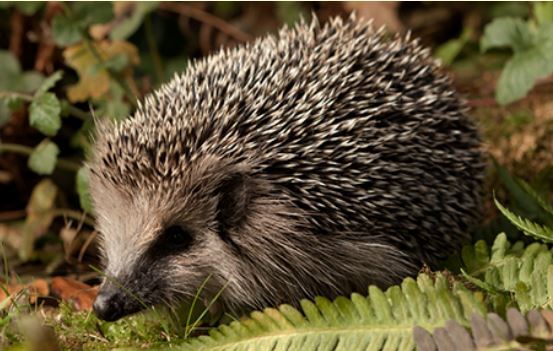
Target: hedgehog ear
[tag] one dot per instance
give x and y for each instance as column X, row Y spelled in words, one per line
column 235, row 193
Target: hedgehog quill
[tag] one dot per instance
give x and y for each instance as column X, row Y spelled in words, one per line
column 314, row 162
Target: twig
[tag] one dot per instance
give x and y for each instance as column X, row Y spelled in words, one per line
column 70, row 213
column 13, row 94
column 86, row 244
column 482, row 102
column 27, row 151
column 77, row 112
column 17, row 32
column 158, row 66
column 12, row 215
column 207, row 18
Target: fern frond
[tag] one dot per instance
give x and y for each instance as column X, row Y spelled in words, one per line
column 529, row 227
column 383, row 320
column 512, row 274
column 492, row 333
column 546, row 207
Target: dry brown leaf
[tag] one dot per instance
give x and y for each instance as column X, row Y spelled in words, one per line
column 94, row 83
column 29, row 292
column 79, row 294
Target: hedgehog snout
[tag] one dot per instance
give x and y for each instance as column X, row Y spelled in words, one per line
column 112, row 303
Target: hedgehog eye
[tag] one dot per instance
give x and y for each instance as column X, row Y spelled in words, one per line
column 176, row 236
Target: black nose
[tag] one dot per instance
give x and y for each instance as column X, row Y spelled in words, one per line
column 109, row 304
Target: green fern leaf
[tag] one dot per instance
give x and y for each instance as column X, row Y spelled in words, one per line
column 513, row 274
column 529, row 227
column 381, row 321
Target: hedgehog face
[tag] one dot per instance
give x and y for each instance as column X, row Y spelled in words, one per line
column 161, row 240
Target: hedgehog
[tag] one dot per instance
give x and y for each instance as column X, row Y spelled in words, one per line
column 313, row 162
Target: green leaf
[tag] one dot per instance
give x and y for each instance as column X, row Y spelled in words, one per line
column 29, row 8
column 65, row 31
column 381, row 321
column 289, row 12
column 448, row 51
column 44, row 157
column 129, row 25
column 11, row 77
column 45, row 114
column 117, row 62
column 521, row 72
column 88, row 13
column 526, row 273
column 9, row 70
column 506, row 32
column 48, row 83
column 30, row 81
column 82, row 185
column 543, row 12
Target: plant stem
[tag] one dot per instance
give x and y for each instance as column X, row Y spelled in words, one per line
column 77, row 112
column 73, row 214
column 13, row 94
column 207, row 18
column 27, row 151
column 158, row 66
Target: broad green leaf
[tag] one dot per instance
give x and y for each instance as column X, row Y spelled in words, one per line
column 13, row 79
column 92, row 12
column 10, row 70
column 65, row 31
column 45, row 114
column 30, row 81
column 48, row 83
column 129, row 25
column 44, row 157
column 520, row 74
column 506, row 32
column 117, row 62
column 82, row 185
